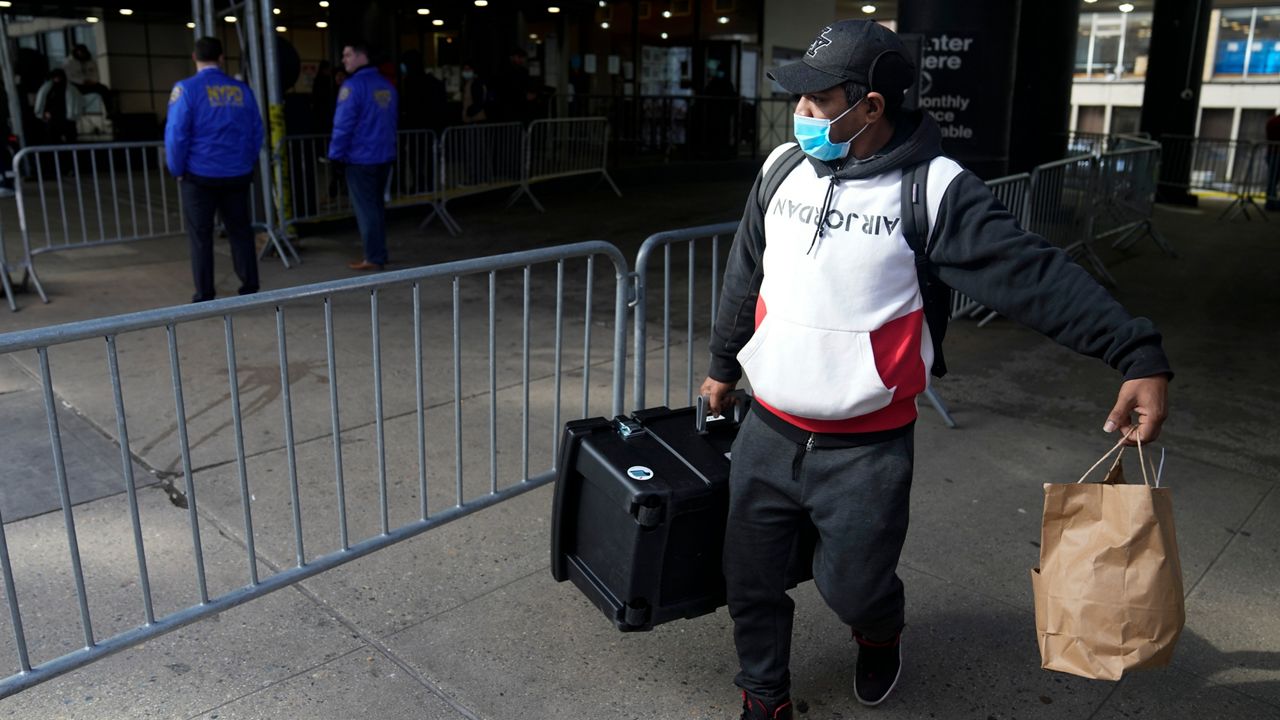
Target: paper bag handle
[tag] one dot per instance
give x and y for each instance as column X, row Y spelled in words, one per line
column 1120, row 446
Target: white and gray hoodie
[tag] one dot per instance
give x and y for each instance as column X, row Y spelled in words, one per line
column 829, row 326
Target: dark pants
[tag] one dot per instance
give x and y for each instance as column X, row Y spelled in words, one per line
column 229, row 197
column 366, row 184
column 857, row 498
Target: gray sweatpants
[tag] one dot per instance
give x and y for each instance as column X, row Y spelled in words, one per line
column 858, row 499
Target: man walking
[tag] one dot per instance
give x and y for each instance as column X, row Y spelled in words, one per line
column 212, row 138
column 364, row 140
column 828, row 307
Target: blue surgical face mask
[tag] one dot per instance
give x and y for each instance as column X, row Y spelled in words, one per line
column 814, row 136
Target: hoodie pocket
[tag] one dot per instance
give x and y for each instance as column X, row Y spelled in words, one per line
column 813, row 372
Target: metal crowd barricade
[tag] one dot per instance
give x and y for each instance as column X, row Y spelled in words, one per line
column 1061, row 208
column 476, row 159
column 176, row 334
column 71, row 197
column 1126, row 197
column 1259, row 180
column 711, row 243
column 1211, row 165
column 79, row 196
column 1013, row 192
column 564, row 148
column 318, row 186
column 1267, row 171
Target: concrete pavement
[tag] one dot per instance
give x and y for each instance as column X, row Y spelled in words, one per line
column 465, row 620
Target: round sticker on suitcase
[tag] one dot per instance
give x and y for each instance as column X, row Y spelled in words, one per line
column 639, row 472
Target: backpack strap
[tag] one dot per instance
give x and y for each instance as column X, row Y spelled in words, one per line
column 776, row 173
column 915, row 228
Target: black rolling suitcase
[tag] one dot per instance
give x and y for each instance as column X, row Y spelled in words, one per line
column 639, row 516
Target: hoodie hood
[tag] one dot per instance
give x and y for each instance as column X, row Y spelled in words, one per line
column 916, row 139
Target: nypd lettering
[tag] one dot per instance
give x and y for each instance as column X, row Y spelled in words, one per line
column 866, row 223
column 224, row 95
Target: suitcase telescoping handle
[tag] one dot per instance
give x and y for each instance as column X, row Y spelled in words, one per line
column 738, row 400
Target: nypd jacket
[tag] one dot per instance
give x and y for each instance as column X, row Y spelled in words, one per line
column 213, row 129
column 830, row 328
column 364, row 123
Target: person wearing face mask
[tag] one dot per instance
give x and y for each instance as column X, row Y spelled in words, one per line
column 822, row 308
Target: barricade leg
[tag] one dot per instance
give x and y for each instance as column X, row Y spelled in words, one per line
column 938, row 405
column 524, row 190
column 612, row 184
column 8, row 286
column 446, row 219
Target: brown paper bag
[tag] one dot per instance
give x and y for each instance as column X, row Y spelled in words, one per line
column 1108, row 592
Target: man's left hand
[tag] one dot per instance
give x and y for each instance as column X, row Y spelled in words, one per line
column 1149, row 398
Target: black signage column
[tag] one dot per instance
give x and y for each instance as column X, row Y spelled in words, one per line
column 1171, row 99
column 1042, row 89
column 966, row 81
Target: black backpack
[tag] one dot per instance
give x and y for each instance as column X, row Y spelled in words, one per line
column 915, row 218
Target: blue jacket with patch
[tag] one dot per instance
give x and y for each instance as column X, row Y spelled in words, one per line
column 214, row 128
column 364, row 123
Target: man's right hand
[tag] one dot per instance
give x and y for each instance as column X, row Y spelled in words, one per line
column 716, row 393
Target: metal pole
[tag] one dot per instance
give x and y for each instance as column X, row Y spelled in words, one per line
column 209, row 28
column 11, row 87
column 198, row 19
column 253, row 77
column 275, row 114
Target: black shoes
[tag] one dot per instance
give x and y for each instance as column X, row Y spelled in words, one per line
column 753, row 708
column 879, row 665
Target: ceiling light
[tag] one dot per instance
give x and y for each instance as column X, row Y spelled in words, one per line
column 605, row 25
column 424, row 11
column 868, row 9
column 533, row 36
column 281, row 28
column 437, row 22
column 275, row 11
column 482, row 3
column 126, row 11
column 666, row 13
column 190, row 25
column 1125, row 7
column 665, row 36
column 230, row 18
column 603, row 3
column 1090, row 2
column 322, row 24
column 5, row 4
column 324, row 3
column 91, row 19
column 553, row 9
column 723, row 20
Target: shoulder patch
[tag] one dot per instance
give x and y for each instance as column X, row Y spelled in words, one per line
column 344, row 93
column 175, row 94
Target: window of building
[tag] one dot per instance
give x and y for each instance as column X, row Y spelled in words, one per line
column 1253, row 124
column 1091, row 119
column 1248, row 43
column 1216, row 123
column 1113, row 46
column 1125, row 119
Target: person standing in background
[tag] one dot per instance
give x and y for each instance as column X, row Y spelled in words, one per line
column 364, row 140
column 59, row 105
column 211, row 139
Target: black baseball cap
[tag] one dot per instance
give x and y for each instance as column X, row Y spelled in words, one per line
column 863, row 51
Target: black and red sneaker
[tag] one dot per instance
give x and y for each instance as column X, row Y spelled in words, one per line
column 879, row 665
column 753, row 708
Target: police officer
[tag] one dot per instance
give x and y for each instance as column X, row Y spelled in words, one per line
column 364, row 139
column 211, row 139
